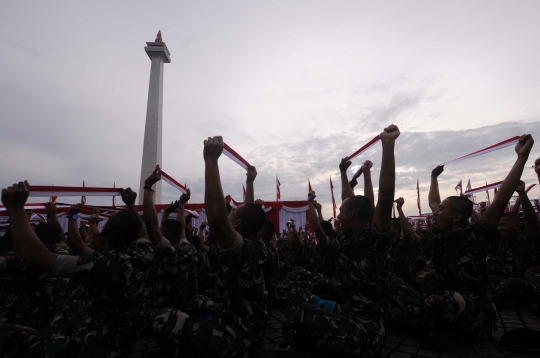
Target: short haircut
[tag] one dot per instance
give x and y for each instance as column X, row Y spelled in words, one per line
column 461, row 205
column 268, row 228
column 49, row 233
column 122, row 228
column 172, row 230
column 252, row 217
column 513, row 217
column 194, row 240
column 361, row 206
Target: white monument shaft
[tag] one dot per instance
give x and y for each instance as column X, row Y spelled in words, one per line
column 159, row 54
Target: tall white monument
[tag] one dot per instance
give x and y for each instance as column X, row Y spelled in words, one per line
column 159, row 54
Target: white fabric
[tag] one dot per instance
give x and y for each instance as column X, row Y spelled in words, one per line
column 297, row 214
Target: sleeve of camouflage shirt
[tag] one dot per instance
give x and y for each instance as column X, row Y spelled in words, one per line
column 93, row 265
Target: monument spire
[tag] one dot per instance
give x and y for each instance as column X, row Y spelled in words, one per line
column 159, row 54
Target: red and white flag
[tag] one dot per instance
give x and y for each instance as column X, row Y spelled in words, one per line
column 52, row 199
column 310, row 189
column 469, row 187
column 169, row 180
column 505, row 143
column 235, row 157
column 460, row 187
column 365, row 147
column 278, row 190
column 418, row 197
column 334, row 206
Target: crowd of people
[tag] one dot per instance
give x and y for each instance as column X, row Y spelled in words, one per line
column 208, row 291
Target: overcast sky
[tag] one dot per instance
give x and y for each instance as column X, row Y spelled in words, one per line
column 293, row 86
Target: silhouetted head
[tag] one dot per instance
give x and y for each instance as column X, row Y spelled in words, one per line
column 172, row 230
column 454, row 211
column 247, row 219
column 355, row 209
column 49, row 233
column 509, row 225
column 122, row 228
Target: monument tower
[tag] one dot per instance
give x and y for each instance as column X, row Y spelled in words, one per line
column 159, row 54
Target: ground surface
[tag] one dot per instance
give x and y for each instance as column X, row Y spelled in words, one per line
column 396, row 346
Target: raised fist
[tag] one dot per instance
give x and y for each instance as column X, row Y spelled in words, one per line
column 184, row 198
column 75, row 209
column 50, row 208
column 213, row 147
column 171, row 208
column 537, row 166
column 437, row 170
column 251, row 174
column 524, row 146
column 400, row 202
column 311, row 196
column 367, row 165
column 345, row 164
column 154, row 177
column 128, row 196
column 390, row 133
column 15, row 196
column 521, row 187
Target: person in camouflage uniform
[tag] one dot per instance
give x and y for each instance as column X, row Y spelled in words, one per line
column 175, row 280
column 102, row 317
column 357, row 327
column 231, row 327
column 460, row 309
column 39, row 294
column 518, row 251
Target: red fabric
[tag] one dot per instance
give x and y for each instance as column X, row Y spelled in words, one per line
column 273, row 216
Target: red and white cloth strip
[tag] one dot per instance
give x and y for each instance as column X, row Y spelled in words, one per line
column 505, row 143
column 33, row 206
column 235, row 157
column 334, row 206
column 48, row 191
column 529, row 187
column 366, row 146
column 233, row 203
column 484, row 188
column 192, row 213
column 169, row 180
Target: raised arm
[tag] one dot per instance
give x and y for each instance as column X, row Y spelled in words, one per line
column 368, row 184
column 318, row 207
column 214, row 201
column 180, row 217
column 405, row 226
column 517, row 205
column 354, row 180
column 531, row 221
column 52, row 218
column 75, row 240
column 346, row 190
column 537, row 168
column 434, row 198
column 496, row 209
column 250, row 191
column 169, row 210
column 25, row 240
column 93, row 229
column 387, row 180
column 149, row 210
column 129, row 197
column 314, row 218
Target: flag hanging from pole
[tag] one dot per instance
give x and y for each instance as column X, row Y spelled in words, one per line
column 469, row 187
column 487, row 193
column 278, row 190
column 460, row 187
column 418, row 196
column 310, row 189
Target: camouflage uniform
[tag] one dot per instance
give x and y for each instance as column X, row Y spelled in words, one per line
column 228, row 329
column 361, row 264
column 39, row 295
column 101, row 318
column 175, row 280
column 403, row 254
column 459, row 260
column 508, row 266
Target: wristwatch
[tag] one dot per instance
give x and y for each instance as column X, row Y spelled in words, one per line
column 72, row 217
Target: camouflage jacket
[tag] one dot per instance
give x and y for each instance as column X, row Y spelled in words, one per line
column 459, row 260
column 110, row 296
column 175, row 280
column 403, row 254
column 361, row 268
column 37, row 296
column 242, row 287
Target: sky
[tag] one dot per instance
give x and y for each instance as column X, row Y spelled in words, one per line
column 293, row 86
